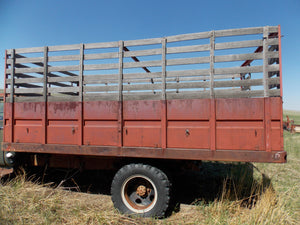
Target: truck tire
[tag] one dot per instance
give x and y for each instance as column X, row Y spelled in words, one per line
column 143, row 190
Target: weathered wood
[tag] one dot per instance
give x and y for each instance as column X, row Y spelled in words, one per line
column 62, row 89
column 109, row 55
column 108, row 66
column 187, row 37
column 89, row 79
column 81, row 68
column 28, row 70
column 63, row 68
column 28, row 99
column 229, row 93
column 28, row 90
column 186, row 85
column 187, row 61
column 188, row 94
column 28, row 80
column 63, row 58
column 147, row 52
column 234, row 70
column 150, row 41
column 100, row 88
column 142, row 64
column 241, row 31
column 12, row 73
column 141, row 75
column 185, row 49
column 121, row 66
column 27, row 60
column 238, row 57
column 63, row 98
column 101, row 97
column 238, row 44
column 142, row 96
column 45, row 78
column 183, row 73
column 265, row 61
column 29, row 50
column 212, row 61
column 238, row 83
column 130, row 87
column 63, row 47
column 163, row 68
column 62, row 79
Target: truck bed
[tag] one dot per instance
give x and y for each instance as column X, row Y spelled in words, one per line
column 213, row 95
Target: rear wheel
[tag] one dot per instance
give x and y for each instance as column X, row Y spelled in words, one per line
column 141, row 189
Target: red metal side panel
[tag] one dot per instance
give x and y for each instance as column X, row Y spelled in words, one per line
column 188, row 109
column 101, row 123
column 188, row 134
column 142, row 123
column 63, row 122
column 7, row 122
column 29, row 127
column 188, row 123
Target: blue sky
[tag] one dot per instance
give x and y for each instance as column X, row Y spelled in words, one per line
column 33, row 23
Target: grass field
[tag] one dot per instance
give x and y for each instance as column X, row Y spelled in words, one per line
column 222, row 193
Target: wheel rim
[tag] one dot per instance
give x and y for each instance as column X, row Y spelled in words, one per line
column 139, row 194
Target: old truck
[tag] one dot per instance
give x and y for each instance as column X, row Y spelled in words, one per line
column 145, row 107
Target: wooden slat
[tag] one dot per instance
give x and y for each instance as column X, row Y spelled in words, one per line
column 163, row 69
column 114, row 44
column 187, row 94
column 149, row 41
column 238, row 57
column 141, row 96
column 234, row 70
column 63, row 47
column 275, row 80
column 203, row 84
column 142, row 64
column 265, row 61
column 130, row 87
column 100, row 88
column 62, row 79
column 212, row 62
column 29, row 70
column 141, row 75
column 147, row 52
column 63, row 68
column 28, row 99
column 28, row 60
column 187, row 72
column 100, row 97
column 185, row 49
column 186, row 37
column 28, row 90
column 228, row 93
column 101, row 66
column 12, row 85
column 102, row 77
column 29, row 80
column 29, row 50
column 63, row 98
column 238, row 44
column 238, row 83
column 62, row 89
column 108, row 55
column 274, row 92
column 63, row 58
column 240, row 31
column 187, row 61
column 102, row 81
column 80, row 84
column 120, row 80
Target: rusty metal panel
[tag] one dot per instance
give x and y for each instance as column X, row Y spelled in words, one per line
column 101, row 110
column 28, row 131
column 188, row 109
column 240, row 109
column 7, row 122
column 240, row 135
column 188, row 134
column 98, row 132
column 63, row 110
column 62, row 132
column 29, row 110
column 142, row 133
column 276, row 140
column 142, row 110
column 275, row 108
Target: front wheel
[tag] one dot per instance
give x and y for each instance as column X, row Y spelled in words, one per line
column 141, row 189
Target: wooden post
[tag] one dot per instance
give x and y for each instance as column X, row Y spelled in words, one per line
column 120, row 99
column 163, row 96
column 81, row 102
column 266, row 61
column 45, row 94
column 212, row 94
column 12, row 93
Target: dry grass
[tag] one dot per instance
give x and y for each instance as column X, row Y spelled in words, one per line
column 220, row 194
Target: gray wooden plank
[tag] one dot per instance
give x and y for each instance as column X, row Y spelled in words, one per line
column 141, row 75
column 147, row 52
column 130, row 87
column 238, row 57
column 113, row 44
column 45, row 77
column 63, row 47
column 163, row 68
column 229, row 93
column 142, row 64
column 121, row 66
column 238, row 44
column 29, row 50
column 109, row 55
column 28, row 90
column 101, row 97
column 235, row 70
column 186, row 85
column 29, row 80
column 62, row 89
column 141, row 96
column 28, row 99
column 29, row 70
column 187, row 61
column 240, row 31
column 188, row 94
column 238, row 83
column 185, row 49
column 102, row 77
column 187, row 37
column 61, row 58
column 265, row 61
column 28, row 60
column 62, row 79
column 149, row 41
column 212, row 61
column 101, row 66
column 63, row 98
column 12, row 85
column 188, row 72
column 100, row 88
column 63, row 68
column 81, row 68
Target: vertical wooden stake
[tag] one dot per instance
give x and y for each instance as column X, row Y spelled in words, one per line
column 266, row 61
column 120, row 99
column 45, row 95
column 163, row 96
column 81, row 100
column 212, row 121
column 12, row 93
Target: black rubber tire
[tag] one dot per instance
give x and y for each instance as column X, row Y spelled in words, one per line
column 157, row 178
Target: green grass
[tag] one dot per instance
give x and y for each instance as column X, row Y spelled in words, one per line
column 222, row 193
